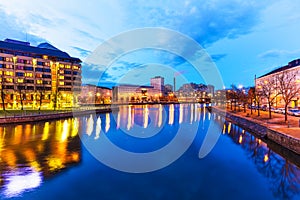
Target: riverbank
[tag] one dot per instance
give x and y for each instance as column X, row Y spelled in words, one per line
column 286, row 134
column 33, row 116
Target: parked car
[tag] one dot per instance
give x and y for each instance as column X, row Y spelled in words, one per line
column 294, row 112
column 280, row 110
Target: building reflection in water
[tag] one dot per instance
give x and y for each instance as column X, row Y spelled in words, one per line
column 29, row 153
column 282, row 173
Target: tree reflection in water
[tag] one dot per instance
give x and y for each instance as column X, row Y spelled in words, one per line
column 283, row 175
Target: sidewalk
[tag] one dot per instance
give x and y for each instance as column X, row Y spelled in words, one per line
column 277, row 122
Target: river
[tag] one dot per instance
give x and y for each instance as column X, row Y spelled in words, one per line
column 71, row 158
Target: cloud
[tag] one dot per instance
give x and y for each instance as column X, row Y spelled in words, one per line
column 83, row 52
column 275, row 54
column 218, row 57
column 206, row 22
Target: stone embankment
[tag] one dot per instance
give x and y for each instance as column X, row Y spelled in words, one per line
column 261, row 130
column 50, row 116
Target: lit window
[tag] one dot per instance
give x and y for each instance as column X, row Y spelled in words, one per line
column 39, row 81
column 38, row 75
column 61, row 83
column 8, row 73
column 61, row 77
column 75, row 67
column 68, row 66
column 28, row 74
column 61, row 65
column 9, row 80
column 45, row 57
column 20, row 80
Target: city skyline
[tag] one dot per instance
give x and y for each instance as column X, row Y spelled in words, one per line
column 248, row 38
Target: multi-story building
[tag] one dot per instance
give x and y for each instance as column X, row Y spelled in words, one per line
column 134, row 93
column 34, row 77
column 293, row 67
column 158, row 83
column 93, row 95
column 137, row 93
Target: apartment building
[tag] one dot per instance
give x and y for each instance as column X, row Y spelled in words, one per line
column 292, row 67
column 33, row 77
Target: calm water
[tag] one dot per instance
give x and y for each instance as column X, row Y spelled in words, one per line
column 52, row 160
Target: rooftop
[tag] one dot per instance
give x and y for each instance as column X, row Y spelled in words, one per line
column 42, row 49
column 291, row 65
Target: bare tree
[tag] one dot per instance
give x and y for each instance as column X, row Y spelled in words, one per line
column 288, row 87
column 268, row 90
column 2, row 90
column 251, row 97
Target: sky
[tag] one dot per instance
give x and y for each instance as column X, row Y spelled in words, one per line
column 242, row 38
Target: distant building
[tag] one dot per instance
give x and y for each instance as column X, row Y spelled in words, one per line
column 292, row 67
column 93, row 95
column 168, row 88
column 42, row 76
column 135, row 93
column 192, row 92
column 158, row 83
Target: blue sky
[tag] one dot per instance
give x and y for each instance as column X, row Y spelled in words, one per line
column 244, row 38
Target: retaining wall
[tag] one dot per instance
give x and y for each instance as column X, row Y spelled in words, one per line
column 261, row 130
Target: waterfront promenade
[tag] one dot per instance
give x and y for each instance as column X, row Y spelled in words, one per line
column 286, row 134
column 277, row 123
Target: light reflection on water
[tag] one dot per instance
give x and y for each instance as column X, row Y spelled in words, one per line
column 32, row 153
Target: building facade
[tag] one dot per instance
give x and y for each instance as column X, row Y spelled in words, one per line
column 293, row 68
column 135, row 93
column 158, row 83
column 37, row 77
column 94, row 95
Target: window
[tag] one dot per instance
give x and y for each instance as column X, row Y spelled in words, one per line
column 8, row 73
column 67, row 72
column 8, row 80
column 45, row 57
column 47, row 82
column 61, row 66
column 9, row 59
column 28, row 68
column 68, row 66
column 29, row 81
column 7, row 66
column 30, row 88
column 75, row 67
column 47, row 70
column 40, row 63
column 75, row 73
column 38, row 75
column 20, row 67
column 1, row 58
column 46, row 76
column 38, row 69
column 20, row 80
column 1, row 65
column 28, row 74
column 29, row 62
column 39, row 82
column 61, row 77
column 61, row 83
column 19, row 74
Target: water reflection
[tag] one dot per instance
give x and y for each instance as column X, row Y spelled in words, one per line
column 31, row 152
column 283, row 176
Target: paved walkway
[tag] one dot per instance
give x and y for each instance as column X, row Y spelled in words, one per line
column 276, row 123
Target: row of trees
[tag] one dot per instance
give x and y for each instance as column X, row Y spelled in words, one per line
column 283, row 85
